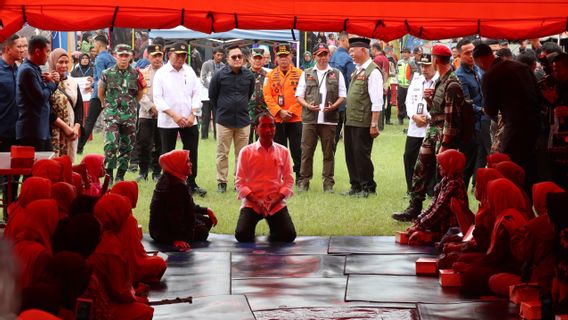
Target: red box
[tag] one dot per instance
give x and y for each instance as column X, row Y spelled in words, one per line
column 402, row 237
column 531, row 310
column 524, row 292
column 449, row 278
column 427, row 266
column 22, row 156
column 561, row 317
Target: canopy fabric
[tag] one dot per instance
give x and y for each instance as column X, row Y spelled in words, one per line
column 185, row 33
column 382, row 19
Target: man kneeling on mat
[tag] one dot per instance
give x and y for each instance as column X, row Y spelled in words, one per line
column 264, row 179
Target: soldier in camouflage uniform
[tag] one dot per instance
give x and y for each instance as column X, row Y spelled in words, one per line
column 119, row 93
column 256, row 103
column 443, row 131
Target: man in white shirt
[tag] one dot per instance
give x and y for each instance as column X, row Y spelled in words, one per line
column 418, row 114
column 177, row 99
column 264, row 180
column 364, row 105
column 321, row 90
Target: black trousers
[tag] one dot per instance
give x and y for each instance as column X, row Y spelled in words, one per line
column 289, row 134
column 476, row 152
column 95, row 109
column 281, row 226
column 401, row 101
column 149, row 145
column 206, row 111
column 358, row 147
column 411, row 150
column 340, row 122
column 387, row 107
column 38, row 144
column 189, row 139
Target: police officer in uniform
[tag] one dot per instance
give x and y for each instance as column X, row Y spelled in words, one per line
column 119, row 93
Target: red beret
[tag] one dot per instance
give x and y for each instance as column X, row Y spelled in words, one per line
column 441, row 50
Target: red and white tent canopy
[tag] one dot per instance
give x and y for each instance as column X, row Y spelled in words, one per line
column 436, row 19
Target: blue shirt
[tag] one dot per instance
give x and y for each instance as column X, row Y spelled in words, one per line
column 342, row 60
column 103, row 61
column 470, row 80
column 8, row 106
column 32, row 98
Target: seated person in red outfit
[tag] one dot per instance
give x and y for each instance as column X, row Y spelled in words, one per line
column 174, row 218
column 433, row 223
column 143, row 268
column 264, row 179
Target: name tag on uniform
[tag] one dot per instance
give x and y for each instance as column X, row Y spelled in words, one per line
column 361, row 77
column 281, row 101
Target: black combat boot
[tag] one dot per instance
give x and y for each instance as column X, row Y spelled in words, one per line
column 410, row 213
column 120, row 175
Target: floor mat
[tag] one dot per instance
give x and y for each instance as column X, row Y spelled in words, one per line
column 387, row 264
column 340, row 313
column 373, row 245
column 409, row 289
column 226, row 307
column 227, row 243
column 495, row 310
column 293, row 266
column 196, row 262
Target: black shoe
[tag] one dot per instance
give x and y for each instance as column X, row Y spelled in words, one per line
column 142, row 176
column 388, row 123
column 400, row 122
column 410, row 213
column 133, row 167
column 199, row 191
column 156, row 176
column 328, row 189
column 303, row 186
column 222, row 187
column 120, row 175
column 355, row 193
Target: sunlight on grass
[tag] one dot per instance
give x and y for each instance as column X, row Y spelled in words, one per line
column 313, row 212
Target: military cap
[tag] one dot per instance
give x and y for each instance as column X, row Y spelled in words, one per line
column 426, row 59
column 320, row 47
column 441, row 50
column 359, row 42
column 123, row 48
column 257, row 52
column 154, row 49
column 283, row 49
column 179, row 47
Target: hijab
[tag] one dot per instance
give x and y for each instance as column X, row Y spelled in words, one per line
column 71, row 273
column 307, row 64
column 80, row 234
column 483, row 176
column 81, row 70
column 452, row 162
column 41, row 217
column 54, row 56
column 128, row 189
column 64, row 193
column 49, row 169
column 33, row 188
column 540, row 192
column 495, row 158
column 512, row 171
column 174, row 163
column 502, row 194
column 67, row 167
column 83, row 204
column 94, row 165
column 112, row 210
column 78, row 182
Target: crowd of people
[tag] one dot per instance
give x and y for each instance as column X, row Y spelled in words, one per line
column 470, row 108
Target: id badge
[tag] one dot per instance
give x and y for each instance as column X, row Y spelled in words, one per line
column 319, row 98
column 281, row 101
column 420, row 109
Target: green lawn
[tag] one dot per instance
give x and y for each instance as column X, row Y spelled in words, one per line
column 313, row 212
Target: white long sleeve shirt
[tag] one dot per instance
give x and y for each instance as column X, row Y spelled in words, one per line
column 178, row 91
column 375, row 86
column 414, row 97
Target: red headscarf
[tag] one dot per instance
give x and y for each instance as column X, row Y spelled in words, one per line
column 495, row 158
column 483, row 176
column 64, row 193
column 174, row 163
column 112, row 210
column 41, row 217
column 452, row 162
column 34, row 314
column 67, row 167
column 78, row 182
column 512, row 171
column 502, row 194
column 33, row 188
column 95, row 170
column 540, row 191
column 49, row 169
column 128, row 189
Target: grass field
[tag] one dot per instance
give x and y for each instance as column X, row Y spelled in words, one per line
column 313, row 212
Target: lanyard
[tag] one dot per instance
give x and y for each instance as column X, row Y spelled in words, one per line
column 278, row 80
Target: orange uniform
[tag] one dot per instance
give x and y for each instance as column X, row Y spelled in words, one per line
column 284, row 85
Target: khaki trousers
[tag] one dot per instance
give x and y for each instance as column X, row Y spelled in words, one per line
column 225, row 137
column 310, row 135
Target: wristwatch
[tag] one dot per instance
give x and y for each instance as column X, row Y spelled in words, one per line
column 373, row 125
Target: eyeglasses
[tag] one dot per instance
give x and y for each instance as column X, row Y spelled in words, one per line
column 237, row 57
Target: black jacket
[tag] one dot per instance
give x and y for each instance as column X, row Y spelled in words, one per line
column 229, row 94
column 172, row 211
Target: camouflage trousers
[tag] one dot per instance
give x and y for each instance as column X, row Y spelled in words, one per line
column 119, row 138
column 425, row 167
